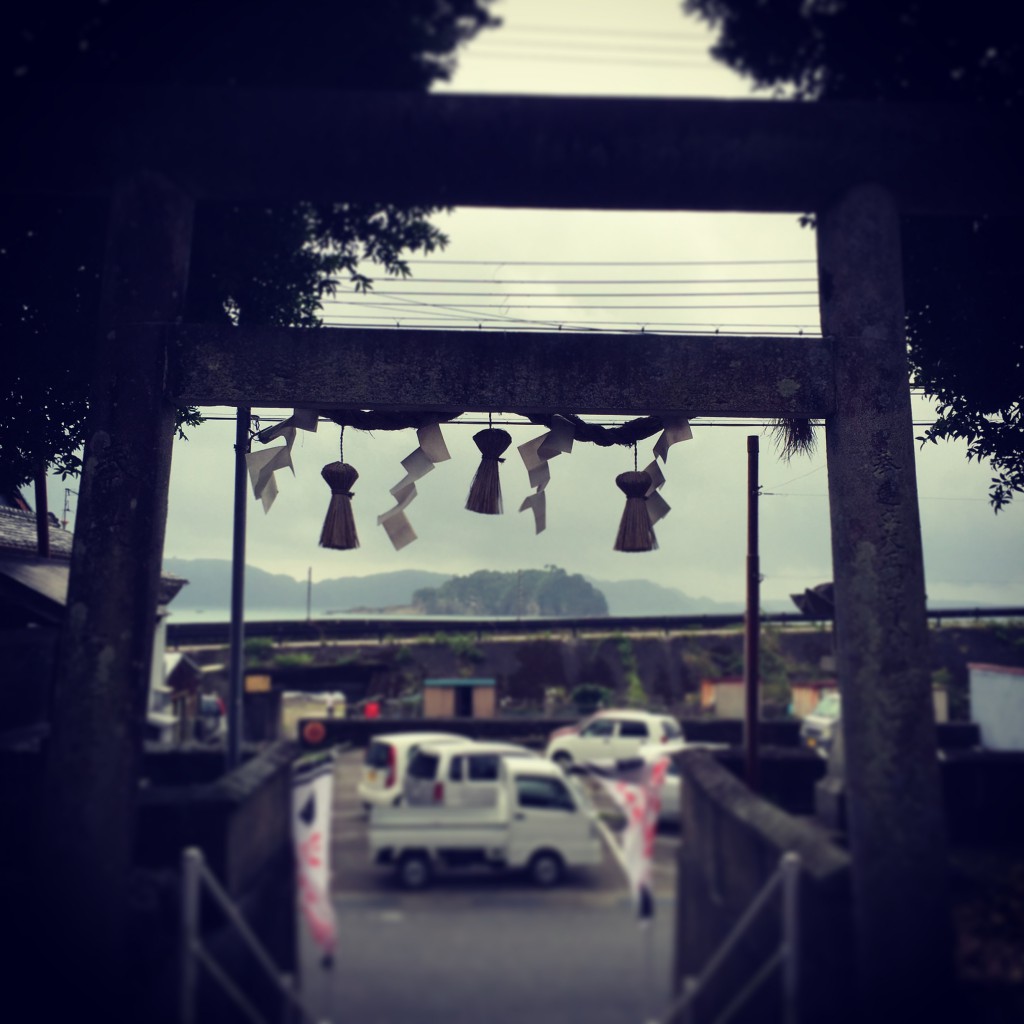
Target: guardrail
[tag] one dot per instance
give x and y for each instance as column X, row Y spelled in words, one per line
column 786, row 879
column 194, row 875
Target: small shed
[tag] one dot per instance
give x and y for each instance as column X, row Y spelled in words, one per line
column 470, row 697
column 808, row 692
column 997, row 705
column 726, row 697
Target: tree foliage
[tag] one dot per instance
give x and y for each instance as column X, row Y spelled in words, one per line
column 252, row 263
column 962, row 276
column 549, row 591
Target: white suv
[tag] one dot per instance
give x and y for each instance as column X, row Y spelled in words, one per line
column 611, row 735
column 458, row 774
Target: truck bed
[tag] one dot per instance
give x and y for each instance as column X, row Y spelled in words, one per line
column 457, row 828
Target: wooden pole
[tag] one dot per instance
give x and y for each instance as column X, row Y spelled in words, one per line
column 42, row 513
column 91, row 770
column 752, row 624
column 896, row 826
column 236, row 684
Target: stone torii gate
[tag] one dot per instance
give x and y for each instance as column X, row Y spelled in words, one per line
column 858, row 167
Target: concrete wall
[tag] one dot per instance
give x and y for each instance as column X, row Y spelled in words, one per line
column 732, row 843
column 242, row 823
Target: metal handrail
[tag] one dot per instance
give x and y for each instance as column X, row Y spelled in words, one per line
column 787, row 878
column 194, row 875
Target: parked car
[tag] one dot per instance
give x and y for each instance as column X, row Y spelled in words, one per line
column 542, row 822
column 819, row 728
column 386, row 759
column 611, row 734
column 458, row 774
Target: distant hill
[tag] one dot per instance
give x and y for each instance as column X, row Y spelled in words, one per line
column 209, row 589
column 641, row 597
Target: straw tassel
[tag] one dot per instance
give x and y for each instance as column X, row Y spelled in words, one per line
column 339, row 526
column 636, row 533
column 485, row 491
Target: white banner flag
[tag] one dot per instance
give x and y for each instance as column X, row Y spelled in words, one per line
column 312, row 796
column 635, row 786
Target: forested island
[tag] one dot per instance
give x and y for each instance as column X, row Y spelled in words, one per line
column 547, row 591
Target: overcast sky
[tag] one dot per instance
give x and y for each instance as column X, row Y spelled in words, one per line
column 730, row 272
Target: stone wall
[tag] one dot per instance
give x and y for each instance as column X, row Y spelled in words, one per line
column 242, row 823
column 732, row 844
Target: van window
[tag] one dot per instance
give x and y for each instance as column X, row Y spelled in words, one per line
column 377, row 755
column 483, row 767
column 423, row 766
column 455, row 769
column 549, row 794
column 599, row 727
column 670, row 729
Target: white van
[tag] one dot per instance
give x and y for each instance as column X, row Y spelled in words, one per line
column 386, row 759
column 458, row 774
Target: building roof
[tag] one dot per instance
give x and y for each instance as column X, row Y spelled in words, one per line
column 18, row 534
column 39, row 586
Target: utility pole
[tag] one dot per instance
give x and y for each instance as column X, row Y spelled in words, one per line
column 42, row 512
column 237, row 658
column 752, row 627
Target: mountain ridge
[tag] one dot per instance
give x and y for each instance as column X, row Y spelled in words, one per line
column 209, row 589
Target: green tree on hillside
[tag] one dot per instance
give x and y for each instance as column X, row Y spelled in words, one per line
column 549, row 591
column 962, row 276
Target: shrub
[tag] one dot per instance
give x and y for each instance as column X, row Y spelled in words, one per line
column 294, row 659
column 590, row 696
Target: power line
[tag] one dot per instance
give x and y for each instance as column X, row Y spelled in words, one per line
column 433, row 293
column 603, row 281
column 549, row 58
column 615, row 33
column 630, row 328
column 600, row 305
column 805, row 330
column 598, row 47
column 607, row 263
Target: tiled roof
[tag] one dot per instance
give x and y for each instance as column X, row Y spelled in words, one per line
column 47, row 579
column 18, row 535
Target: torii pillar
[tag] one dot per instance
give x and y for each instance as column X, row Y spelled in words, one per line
column 91, row 766
column 896, row 827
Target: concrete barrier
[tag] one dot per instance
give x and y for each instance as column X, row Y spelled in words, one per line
column 732, row 844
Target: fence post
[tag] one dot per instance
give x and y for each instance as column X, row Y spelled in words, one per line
column 790, row 937
column 690, row 986
column 287, row 988
column 191, row 860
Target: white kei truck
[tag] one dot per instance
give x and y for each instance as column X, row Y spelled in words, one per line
column 543, row 822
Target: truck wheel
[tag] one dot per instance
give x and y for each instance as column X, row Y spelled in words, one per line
column 545, row 869
column 563, row 760
column 414, row 871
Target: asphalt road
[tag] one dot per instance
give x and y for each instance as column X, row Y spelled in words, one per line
column 488, row 947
